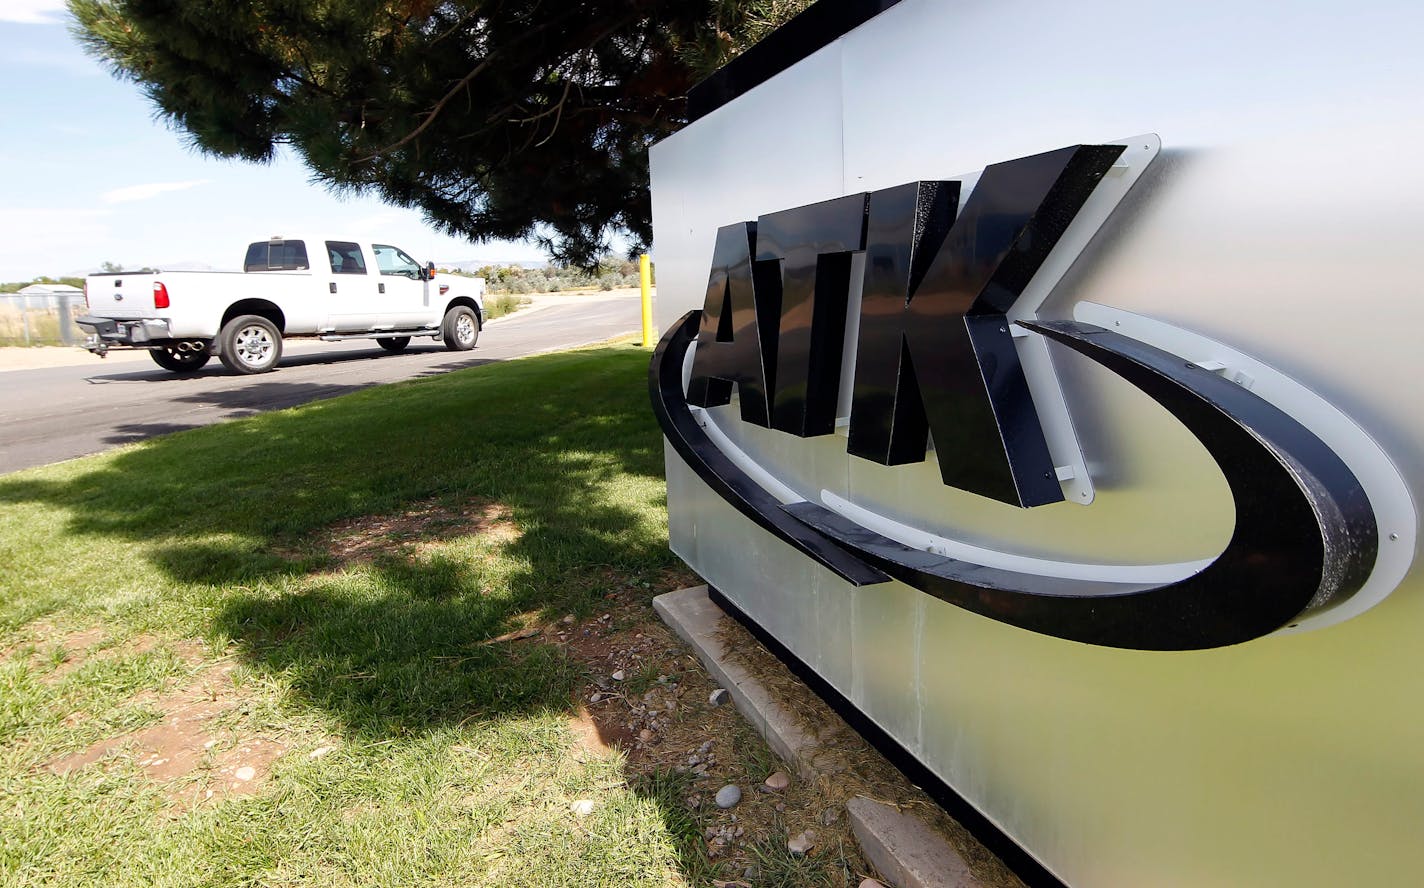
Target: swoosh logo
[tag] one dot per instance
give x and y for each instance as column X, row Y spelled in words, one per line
column 1305, row 539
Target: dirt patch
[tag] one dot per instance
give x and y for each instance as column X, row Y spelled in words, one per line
column 591, row 738
column 416, row 530
column 647, row 697
column 193, row 753
column 74, row 648
column 55, row 654
column 40, row 639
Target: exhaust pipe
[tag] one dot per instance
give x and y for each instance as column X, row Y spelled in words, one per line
column 189, row 345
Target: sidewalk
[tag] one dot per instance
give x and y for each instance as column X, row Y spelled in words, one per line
column 46, row 356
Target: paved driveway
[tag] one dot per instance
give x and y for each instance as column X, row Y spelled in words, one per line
column 52, row 413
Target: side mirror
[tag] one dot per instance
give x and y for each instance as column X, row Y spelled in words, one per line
column 430, row 271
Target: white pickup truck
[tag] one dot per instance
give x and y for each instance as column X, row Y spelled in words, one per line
column 328, row 289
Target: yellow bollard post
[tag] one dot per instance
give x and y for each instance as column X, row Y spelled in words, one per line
column 645, row 281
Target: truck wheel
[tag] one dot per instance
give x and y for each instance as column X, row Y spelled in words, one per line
column 250, row 344
column 179, row 361
column 461, row 329
column 393, row 344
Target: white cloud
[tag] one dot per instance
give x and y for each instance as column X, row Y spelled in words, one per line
column 150, row 190
column 33, row 12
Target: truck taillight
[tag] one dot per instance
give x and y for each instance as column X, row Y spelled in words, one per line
column 160, row 295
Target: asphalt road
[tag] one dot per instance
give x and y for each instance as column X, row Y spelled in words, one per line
column 57, row 413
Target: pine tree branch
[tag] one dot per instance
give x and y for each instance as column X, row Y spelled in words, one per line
column 430, row 115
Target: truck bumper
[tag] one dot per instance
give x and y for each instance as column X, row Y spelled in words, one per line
column 105, row 333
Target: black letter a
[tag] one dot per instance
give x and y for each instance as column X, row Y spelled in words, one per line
column 737, row 341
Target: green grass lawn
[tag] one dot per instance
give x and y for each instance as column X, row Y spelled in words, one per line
column 195, row 582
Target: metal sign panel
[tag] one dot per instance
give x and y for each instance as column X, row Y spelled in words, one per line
column 1091, row 491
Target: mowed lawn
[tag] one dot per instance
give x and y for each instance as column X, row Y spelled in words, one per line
column 260, row 653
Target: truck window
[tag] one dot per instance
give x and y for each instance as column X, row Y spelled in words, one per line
column 345, row 257
column 395, row 261
column 276, row 255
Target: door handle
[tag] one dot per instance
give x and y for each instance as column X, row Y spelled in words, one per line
column 380, row 288
column 332, row 286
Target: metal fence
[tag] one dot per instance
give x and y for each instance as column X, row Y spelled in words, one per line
column 40, row 320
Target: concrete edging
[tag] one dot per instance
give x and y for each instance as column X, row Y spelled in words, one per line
column 905, row 849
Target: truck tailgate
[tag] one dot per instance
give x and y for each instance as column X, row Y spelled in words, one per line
column 121, row 295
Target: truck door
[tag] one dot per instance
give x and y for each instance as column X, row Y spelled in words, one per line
column 403, row 288
column 353, row 302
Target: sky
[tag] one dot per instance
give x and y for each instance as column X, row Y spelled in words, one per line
column 87, row 175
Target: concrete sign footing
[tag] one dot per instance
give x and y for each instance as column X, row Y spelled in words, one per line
column 906, row 850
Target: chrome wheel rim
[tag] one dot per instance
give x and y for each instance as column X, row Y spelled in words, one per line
column 465, row 329
column 253, row 345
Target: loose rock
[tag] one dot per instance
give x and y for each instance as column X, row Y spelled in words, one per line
column 728, row 796
column 719, row 696
column 319, row 752
column 778, row 781
column 645, row 735
column 582, row 807
column 871, row 883
column 618, row 675
column 802, row 843
column 245, row 773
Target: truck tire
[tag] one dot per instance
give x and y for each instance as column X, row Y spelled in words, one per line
column 179, row 361
column 250, row 344
column 461, row 329
column 393, row 344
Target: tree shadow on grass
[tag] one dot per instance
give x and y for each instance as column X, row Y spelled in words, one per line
column 392, row 663
column 564, row 443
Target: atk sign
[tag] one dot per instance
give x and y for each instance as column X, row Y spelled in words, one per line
column 936, row 359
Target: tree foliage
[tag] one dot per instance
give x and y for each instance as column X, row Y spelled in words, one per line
column 499, row 119
column 516, row 279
